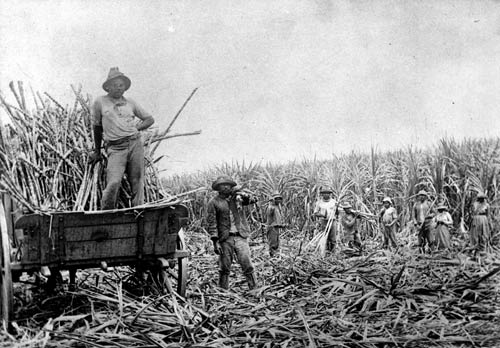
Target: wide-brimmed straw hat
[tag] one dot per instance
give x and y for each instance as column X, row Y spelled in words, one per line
column 442, row 207
column 325, row 190
column 387, row 199
column 276, row 194
column 482, row 195
column 422, row 193
column 114, row 73
column 346, row 206
column 223, row 179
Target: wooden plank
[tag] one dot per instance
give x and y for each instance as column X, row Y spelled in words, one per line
column 93, row 233
column 78, row 219
column 125, row 247
column 6, row 292
column 80, row 236
column 49, row 244
column 31, row 239
column 100, row 250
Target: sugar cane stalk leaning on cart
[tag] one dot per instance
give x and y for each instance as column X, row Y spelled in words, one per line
column 115, row 120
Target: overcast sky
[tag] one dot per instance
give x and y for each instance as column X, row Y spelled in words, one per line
column 277, row 80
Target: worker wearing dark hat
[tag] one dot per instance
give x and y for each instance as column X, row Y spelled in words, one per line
column 326, row 211
column 229, row 230
column 118, row 121
column 422, row 218
column 274, row 222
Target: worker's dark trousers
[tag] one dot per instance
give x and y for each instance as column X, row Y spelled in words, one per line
column 235, row 246
column 273, row 240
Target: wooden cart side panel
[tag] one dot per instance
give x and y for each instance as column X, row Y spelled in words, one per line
column 69, row 238
column 100, row 232
column 31, row 247
column 80, row 219
column 94, row 252
column 100, row 251
column 109, row 241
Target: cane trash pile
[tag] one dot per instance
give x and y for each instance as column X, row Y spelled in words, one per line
column 379, row 299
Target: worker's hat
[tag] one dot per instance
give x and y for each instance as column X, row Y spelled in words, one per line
column 442, row 207
column 422, row 193
column 276, row 195
column 387, row 199
column 325, row 189
column 482, row 195
column 223, row 179
column 347, row 205
column 114, row 73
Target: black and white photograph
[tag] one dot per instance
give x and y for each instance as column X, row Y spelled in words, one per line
column 315, row 173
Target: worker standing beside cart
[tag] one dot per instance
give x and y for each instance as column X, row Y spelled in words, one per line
column 229, row 230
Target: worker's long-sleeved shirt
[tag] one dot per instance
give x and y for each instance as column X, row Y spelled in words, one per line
column 349, row 223
column 220, row 212
column 274, row 216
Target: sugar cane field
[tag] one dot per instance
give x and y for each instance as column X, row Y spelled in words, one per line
column 306, row 296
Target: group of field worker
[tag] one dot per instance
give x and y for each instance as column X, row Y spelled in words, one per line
column 433, row 225
column 118, row 122
column 229, row 230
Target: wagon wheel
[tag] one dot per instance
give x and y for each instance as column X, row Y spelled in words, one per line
column 174, row 276
column 6, row 296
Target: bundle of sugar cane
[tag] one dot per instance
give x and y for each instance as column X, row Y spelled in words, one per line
column 44, row 156
column 319, row 242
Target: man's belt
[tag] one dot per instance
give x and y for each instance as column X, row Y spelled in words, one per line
column 123, row 140
column 234, row 234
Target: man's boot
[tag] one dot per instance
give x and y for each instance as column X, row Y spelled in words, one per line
column 252, row 283
column 224, row 281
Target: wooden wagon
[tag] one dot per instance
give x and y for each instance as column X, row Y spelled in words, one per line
column 149, row 239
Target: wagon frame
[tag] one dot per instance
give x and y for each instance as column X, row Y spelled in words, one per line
column 149, row 238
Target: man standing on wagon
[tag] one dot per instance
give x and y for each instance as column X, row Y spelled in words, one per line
column 229, row 230
column 118, row 121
